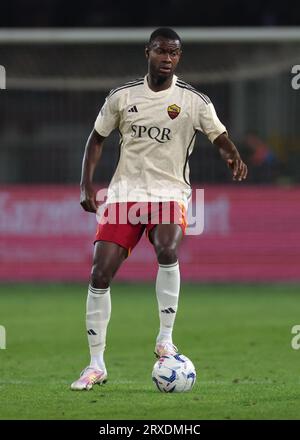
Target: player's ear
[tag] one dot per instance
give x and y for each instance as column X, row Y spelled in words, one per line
column 147, row 51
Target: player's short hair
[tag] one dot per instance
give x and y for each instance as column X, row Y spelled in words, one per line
column 164, row 32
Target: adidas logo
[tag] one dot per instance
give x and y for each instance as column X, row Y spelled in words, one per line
column 169, row 310
column 133, row 109
column 91, row 332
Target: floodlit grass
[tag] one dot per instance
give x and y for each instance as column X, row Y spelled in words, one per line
column 238, row 336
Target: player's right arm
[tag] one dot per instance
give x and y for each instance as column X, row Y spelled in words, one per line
column 92, row 154
column 107, row 120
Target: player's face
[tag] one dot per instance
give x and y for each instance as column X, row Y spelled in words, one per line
column 163, row 56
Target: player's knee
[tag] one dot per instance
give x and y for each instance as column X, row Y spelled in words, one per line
column 100, row 279
column 166, row 254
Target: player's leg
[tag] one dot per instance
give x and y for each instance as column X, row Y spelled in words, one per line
column 107, row 259
column 166, row 239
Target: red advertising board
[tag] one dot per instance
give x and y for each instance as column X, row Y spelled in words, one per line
column 250, row 234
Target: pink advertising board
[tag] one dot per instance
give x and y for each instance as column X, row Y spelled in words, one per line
column 250, row 234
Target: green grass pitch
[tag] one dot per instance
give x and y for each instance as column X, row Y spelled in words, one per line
column 238, row 336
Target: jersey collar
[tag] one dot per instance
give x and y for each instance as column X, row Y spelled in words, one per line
column 161, row 93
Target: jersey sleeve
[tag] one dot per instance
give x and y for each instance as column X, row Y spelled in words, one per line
column 206, row 119
column 108, row 117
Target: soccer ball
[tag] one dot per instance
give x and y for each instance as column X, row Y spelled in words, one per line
column 174, row 374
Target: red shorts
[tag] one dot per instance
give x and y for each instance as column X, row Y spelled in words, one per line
column 124, row 223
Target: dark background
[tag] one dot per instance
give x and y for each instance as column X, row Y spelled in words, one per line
column 94, row 13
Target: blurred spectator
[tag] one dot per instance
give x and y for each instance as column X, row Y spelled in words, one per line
column 262, row 161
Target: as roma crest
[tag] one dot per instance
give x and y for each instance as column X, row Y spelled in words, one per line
column 173, row 111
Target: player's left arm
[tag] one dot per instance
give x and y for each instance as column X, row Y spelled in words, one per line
column 207, row 121
column 230, row 154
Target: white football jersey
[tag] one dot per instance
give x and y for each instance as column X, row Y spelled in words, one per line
column 157, row 132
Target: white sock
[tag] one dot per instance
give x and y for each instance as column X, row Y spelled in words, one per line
column 98, row 309
column 167, row 293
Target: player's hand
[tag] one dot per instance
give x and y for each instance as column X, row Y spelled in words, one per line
column 239, row 168
column 88, row 199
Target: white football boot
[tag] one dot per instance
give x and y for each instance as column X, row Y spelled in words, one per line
column 165, row 349
column 89, row 377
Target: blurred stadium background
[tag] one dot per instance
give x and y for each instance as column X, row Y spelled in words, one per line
column 61, row 60
column 57, row 80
